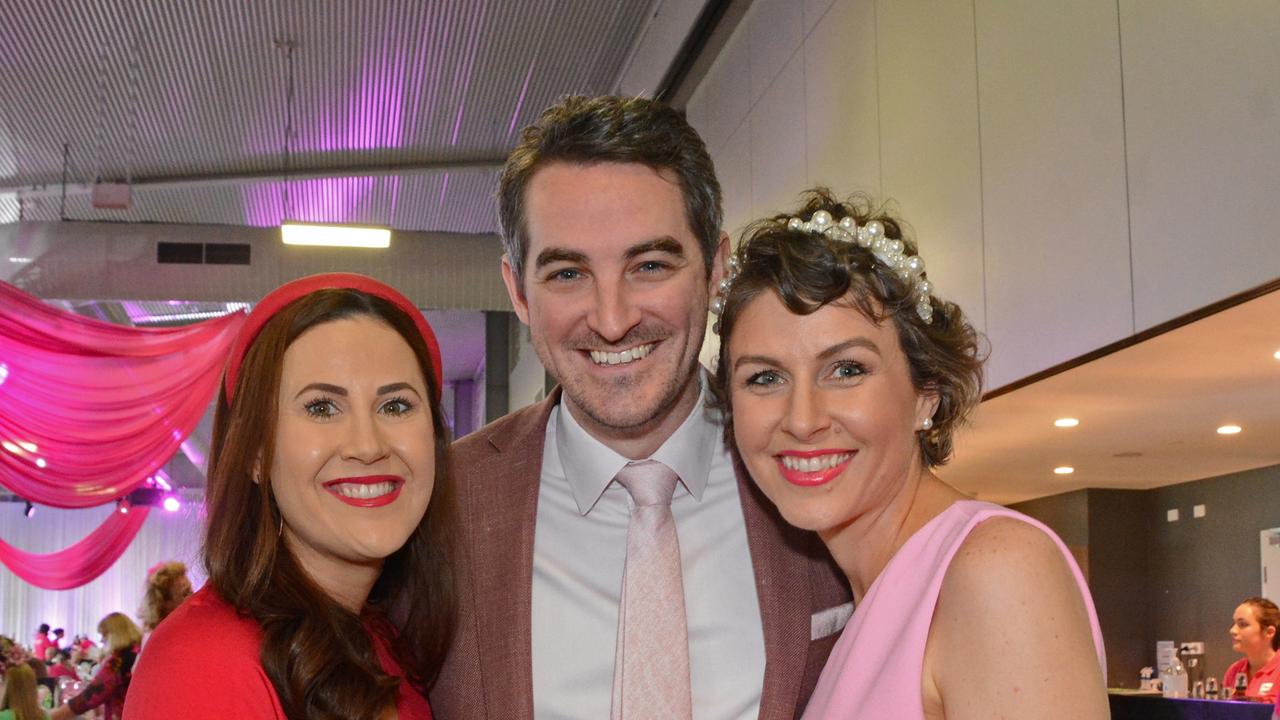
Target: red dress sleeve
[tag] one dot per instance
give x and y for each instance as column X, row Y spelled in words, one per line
column 202, row 663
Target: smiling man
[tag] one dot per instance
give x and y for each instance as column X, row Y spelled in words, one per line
column 616, row 563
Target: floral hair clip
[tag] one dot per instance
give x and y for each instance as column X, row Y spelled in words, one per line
column 890, row 252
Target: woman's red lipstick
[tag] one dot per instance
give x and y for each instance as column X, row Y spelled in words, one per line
column 812, row 478
column 365, row 481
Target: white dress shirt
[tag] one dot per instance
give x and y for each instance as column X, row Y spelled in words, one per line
column 580, row 544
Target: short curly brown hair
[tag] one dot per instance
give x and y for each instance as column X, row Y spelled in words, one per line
column 808, row 271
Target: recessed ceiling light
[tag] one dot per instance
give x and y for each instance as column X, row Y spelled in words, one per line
column 1066, row 422
column 1228, row 429
column 334, row 235
column 1063, row 470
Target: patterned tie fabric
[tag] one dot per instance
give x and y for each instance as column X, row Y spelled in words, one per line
column 651, row 665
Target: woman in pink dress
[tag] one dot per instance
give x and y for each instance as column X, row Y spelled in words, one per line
column 843, row 377
column 328, row 507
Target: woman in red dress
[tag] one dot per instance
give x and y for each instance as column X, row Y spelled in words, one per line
column 328, row 507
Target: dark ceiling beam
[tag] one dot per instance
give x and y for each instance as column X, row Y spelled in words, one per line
column 716, row 23
column 167, row 182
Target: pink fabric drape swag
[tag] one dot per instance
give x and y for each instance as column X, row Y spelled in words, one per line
column 79, row 564
column 90, row 410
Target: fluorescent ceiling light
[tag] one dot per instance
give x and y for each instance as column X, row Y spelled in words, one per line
column 334, row 235
column 1066, row 422
column 1228, row 429
column 1064, row 470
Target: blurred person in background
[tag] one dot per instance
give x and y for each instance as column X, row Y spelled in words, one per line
column 1254, row 635
column 167, row 587
column 121, row 640
column 20, row 698
column 42, row 641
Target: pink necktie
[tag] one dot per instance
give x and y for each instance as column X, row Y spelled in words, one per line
column 651, row 665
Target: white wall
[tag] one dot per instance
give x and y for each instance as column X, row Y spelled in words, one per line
column 1074, row 172
column 164, row 536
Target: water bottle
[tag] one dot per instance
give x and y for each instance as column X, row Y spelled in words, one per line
column 1174, row 679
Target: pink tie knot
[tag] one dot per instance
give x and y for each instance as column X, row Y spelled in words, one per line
column 649, row 482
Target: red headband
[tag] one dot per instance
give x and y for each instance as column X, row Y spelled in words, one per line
column 278, row 299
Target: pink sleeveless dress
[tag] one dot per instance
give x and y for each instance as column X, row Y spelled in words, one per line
column 876, row 668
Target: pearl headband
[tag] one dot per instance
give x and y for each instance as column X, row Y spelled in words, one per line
column 891, row 253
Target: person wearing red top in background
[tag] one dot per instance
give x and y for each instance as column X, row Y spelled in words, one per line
column 329, row 505
column 61, row 666
column 42, row 642
column 1253, row 633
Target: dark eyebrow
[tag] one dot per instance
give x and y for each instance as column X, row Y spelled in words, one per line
column 387, row 389
column 667, row 244
column 324, row 387
column 852, row 343
column 342, row 392
column 552, row 255
column 833, row 350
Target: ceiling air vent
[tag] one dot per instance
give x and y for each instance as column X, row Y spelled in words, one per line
column 226, row 254
column 203, row 253
column 174, row 252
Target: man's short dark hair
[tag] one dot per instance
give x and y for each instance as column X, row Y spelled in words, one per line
column 588, row 130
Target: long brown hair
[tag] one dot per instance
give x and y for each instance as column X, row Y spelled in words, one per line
column 20, row 693
column 317, row 654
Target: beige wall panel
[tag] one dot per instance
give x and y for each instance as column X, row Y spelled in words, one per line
column 778, row 169
column 1202, row 108
column 733, row 168
column 813, row 12
column 929, row 139
column 841, row 107
column 774, row 30
column 1055, row 214
column 722, row 100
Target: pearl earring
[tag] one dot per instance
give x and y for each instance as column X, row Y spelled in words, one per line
column 927, row 424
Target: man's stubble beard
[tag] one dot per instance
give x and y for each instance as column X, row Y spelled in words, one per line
column 670, row 396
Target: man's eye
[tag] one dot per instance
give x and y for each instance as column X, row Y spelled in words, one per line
column 564, row 275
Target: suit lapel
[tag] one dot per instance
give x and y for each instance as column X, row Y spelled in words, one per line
column 784, row 592
column 505, row 499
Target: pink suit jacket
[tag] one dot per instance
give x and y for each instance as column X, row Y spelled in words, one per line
column 488, row 674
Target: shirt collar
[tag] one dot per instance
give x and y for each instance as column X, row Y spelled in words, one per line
column 590, row 465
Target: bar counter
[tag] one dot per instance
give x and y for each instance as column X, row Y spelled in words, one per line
column 1132, row 706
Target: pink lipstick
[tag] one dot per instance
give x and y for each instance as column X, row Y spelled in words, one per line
column 364, row 491
column 798, row 466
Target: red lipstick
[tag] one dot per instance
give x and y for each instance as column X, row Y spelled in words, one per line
column 367, row 502
column 812, row 478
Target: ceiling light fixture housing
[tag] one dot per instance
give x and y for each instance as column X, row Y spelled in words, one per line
column 295, row 233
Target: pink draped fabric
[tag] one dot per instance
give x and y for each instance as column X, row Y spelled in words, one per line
column 89, row 411
column 80, row 563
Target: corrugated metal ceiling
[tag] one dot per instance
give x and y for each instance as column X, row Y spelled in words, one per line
column 431, row 93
